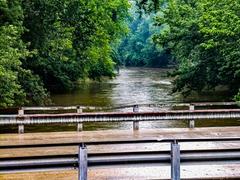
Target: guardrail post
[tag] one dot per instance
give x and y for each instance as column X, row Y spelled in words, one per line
column 79, row 109
column 191, row 123
column 79, row 127
column 175, row 160
column 82, row 162
column 135, row 123
column 20, row 129
column 21, row 111
column 20, row 126
column 135, row 108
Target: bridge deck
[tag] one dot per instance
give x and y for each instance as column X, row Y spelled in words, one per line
column 137, row 172
column 194, row 172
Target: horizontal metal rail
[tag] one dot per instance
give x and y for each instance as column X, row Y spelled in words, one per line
column 49, row 108
column 119, row 116
column 71, row 161
column 83, row 160
column 197, row 104
column 123, row 153
column 79, row 118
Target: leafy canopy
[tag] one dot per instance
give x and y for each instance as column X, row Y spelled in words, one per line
column 138, row 48
column 204, row 37
column 49, row 45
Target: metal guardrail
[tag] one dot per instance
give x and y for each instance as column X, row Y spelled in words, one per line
column 79, row 117
column 83, row 159
column 80, row 108
column 135, row 117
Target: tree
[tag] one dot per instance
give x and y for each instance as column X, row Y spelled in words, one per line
column 73, row 39
column 138, row 48
column 49, row 45
column 14, row 90
column 204, row 37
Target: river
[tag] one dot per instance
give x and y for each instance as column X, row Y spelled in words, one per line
column 136, row 86
column 131, row 86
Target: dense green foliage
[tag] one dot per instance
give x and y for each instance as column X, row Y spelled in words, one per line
column 16, row 83
column 204, row 37
column 138, row 48
column 50, row 45
column 73, row 38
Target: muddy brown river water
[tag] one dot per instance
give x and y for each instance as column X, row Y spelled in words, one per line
column 131, row 86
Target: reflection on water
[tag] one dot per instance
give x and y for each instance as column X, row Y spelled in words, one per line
column 131, row 86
